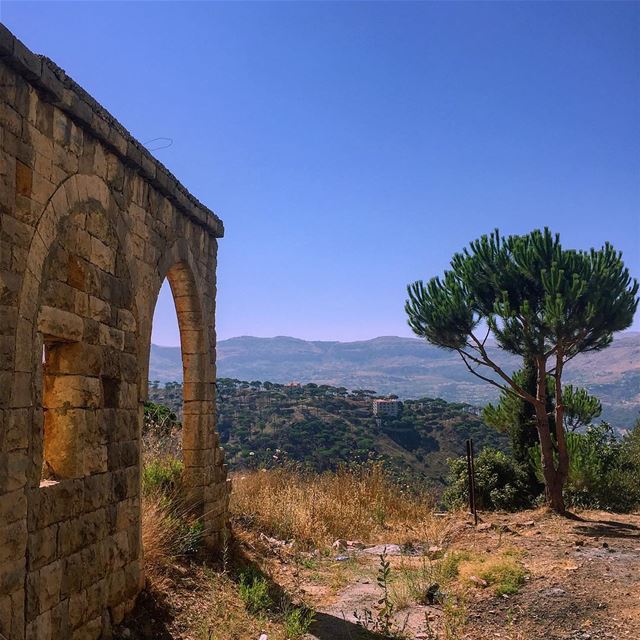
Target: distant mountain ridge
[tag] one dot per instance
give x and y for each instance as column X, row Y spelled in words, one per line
column 410, row 368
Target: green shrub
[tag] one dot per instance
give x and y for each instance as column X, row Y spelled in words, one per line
column 296, row 622
column 502, row 572
column 604, row 470
column 162, row 475
column 254, row 592
column 501, row 483
column 191, row 536
column 449, row 565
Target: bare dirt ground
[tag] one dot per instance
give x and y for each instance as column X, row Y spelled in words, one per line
column 582, row 582
column 583, row 578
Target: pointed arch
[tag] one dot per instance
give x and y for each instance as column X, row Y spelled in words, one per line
column 195, row 323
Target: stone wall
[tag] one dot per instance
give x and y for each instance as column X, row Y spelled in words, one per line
column 91, row 224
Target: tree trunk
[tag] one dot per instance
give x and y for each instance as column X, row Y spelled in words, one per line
column 552, row 477
column 563, row 454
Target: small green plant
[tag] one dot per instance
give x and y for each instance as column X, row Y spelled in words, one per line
column 297, row 621
column 450, row 564
column 163, row 475
column 254, row 592
column 379, row 514
column 504, row 573
column 382, row 620
column 455, row 619
column 507, row 577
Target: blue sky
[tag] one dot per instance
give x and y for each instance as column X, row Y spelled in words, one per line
column 353, row 148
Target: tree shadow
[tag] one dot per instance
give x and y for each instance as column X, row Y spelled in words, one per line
column 329, row 627
column 608, row 529
column 324, row 626
column 150, row 618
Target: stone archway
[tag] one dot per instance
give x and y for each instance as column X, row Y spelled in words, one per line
column 91, row 225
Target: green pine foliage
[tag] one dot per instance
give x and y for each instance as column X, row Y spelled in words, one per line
column 537, row 300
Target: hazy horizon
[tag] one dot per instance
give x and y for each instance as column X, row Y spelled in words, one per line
column 410, row 337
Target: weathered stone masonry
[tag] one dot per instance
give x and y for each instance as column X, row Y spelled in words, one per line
column 91, row 224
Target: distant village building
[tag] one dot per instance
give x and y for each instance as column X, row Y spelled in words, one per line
column 383, row 408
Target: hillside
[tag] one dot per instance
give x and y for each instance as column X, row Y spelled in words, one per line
column 323, row 427
column 409, row 368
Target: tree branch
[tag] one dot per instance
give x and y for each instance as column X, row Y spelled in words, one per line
column 487, row 362
column 464, row 357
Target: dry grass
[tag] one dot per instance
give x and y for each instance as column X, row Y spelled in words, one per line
column 157, row 535
column 314, row 510
column 169, row 528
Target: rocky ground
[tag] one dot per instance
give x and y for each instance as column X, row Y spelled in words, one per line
column 581, row 582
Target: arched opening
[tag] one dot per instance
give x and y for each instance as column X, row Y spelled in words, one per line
column 162, row 426
column 177, row 440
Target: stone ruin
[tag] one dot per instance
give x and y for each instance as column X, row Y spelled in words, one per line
column 90, row 226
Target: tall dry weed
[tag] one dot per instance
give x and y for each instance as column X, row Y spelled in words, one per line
column 363, row 504
column 169, row 527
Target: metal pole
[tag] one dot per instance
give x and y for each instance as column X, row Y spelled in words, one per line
column 469, row 477
column 473, row 483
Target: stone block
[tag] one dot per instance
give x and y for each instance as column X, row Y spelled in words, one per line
column 97, row 595
column 40, row 628
column 116, row 587
column 74, row 358
column 57, row 501
column 118, row 550
column 9, row 288
column 5, row 616
column 24, row 179
column 13, row 470
column 60, row 620
column 126, row 320
column 71, row 391
column 43, row 589
column 43, row 547
column 127, row 514
column 99, row 309
column 103, row 256
column 92, row 630
column 13, row 540
column 57, row 323
column 72, row 576
column 111, row 337
column 64, row 443
column 87, row 529
column 13, row 506
column 97, row 491
column 96, row 459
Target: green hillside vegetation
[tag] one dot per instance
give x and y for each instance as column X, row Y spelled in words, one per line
column 263, row 424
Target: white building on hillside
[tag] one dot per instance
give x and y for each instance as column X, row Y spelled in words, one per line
column 383, row 408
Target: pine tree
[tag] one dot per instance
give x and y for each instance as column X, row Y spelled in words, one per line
column 540, row 302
